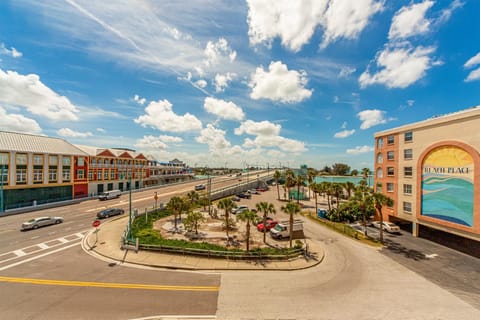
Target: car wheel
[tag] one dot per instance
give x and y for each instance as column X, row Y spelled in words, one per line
column 106, row 216
column 58, row 221
column 35, row 227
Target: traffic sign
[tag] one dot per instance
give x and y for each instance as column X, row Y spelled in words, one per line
column 96, row 223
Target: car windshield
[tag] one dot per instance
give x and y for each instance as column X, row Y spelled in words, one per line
column 31, row 220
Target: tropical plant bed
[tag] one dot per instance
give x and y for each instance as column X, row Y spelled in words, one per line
column 158, row 230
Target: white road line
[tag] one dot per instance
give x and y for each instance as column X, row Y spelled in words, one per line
column 19, row 253
column 62, row 240
column 43, row 246
column 33, row 238
column 38, row 257
column 80, row 235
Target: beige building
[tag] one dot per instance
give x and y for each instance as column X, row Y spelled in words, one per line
column 431, row 169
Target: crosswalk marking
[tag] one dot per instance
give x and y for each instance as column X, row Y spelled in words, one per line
column 19, row 253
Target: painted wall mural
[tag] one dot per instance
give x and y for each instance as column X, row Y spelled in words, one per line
column 447, row 185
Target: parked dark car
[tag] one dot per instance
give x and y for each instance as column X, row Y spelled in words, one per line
column 244, row 195
column 110, row 212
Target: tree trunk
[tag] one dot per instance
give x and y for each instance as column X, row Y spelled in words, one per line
column 381, row 224
column 248, row 236
column 316, row 203
column 291, row 229
column 264, row 228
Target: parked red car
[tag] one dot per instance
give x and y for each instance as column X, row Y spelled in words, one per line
column 269, row 225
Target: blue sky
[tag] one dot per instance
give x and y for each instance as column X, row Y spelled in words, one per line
column 235, row 83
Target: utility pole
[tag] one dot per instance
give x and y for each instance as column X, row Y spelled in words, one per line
column 130, row 206
column 1, row 191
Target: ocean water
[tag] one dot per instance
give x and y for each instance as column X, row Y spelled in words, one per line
column 448, row 198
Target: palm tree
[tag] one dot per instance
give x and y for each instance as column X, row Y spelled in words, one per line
column 291, row 208
column 299, row 181
column 289, row 180
column 379, row 200
column 316, row 190
column 311, row 174
column 176, row 206
column 247, row 216
column 193, row 196
column 266, row 208
column 349, row 187
column 361, row 198
column 336, row 189
column 326, row 188
column 228, row 205
column 277, row 175
column 193, row 220
column 365, row 173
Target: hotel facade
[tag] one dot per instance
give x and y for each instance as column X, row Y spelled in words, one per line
column 36, row 170
column 431, row 169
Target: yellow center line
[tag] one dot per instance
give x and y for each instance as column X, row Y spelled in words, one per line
column 108, row 285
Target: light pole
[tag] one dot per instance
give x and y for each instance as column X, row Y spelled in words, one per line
column 156, row 198
column 130, row 206
column 1, row 191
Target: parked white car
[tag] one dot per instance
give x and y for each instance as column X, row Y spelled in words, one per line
column 390, row 227
column 41, row 222
column 240, row 209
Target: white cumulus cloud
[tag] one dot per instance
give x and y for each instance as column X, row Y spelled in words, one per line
column 151, row 143
column 217, row 52
column 29, row 92
column 294, row 22
column 372, row 118
column 201, row 83
column 279, row 84
column 69, row 133
column 213, row 137
column 139, row 100
column 160, row 115
column 344, row 133
column 410, row 21
column 222, row 81
column 347, row 19
column 223, row 109
column 18, row 123
column 262, row 128
column 399, row 66
column 360, row 150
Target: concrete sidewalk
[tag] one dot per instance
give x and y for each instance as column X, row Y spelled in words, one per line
column 106, row 244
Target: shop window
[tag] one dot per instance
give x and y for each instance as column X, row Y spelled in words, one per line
column 37, row 175
column 21, row 174
column 52, row 174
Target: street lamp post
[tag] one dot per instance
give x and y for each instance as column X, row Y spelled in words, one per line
column 130, row 206
column 1, row 191
column 156, row 198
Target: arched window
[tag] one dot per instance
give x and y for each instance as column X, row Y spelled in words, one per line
column 380, row 158
column 379, row 173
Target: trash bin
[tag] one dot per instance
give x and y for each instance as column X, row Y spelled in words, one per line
column 321, row 213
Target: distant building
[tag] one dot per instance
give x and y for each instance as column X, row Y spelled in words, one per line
column 431, row 169
column 38, row 169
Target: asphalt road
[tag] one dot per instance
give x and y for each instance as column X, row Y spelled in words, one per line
column 72, row 285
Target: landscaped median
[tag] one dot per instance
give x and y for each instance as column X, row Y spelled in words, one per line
column 151, row 239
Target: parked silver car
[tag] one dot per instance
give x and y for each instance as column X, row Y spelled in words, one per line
column 41, row 222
